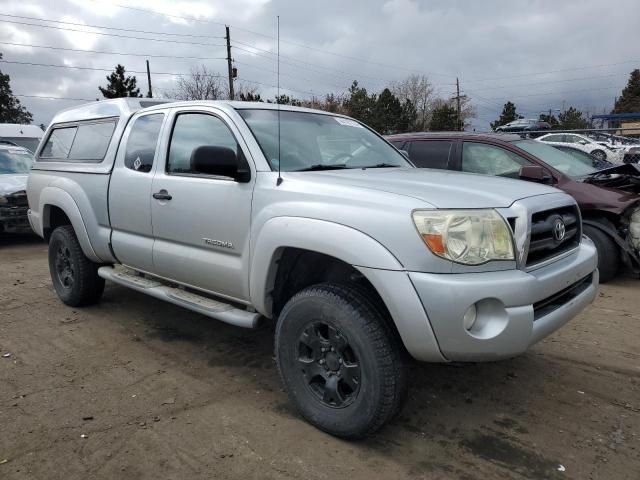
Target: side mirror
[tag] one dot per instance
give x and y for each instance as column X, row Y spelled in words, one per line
column 583, row 142
column 535, row 173
column 219, row 161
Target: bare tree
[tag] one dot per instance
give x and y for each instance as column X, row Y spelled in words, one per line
column 419, row 91
column 201, row 84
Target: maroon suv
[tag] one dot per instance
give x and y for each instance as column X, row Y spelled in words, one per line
column 609, row 198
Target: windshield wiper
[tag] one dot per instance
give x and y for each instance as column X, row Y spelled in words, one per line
column 381, row 165
column 322, row 166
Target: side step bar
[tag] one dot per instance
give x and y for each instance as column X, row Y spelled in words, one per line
column 191, row 301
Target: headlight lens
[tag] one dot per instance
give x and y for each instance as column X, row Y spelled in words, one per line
column 470, row 237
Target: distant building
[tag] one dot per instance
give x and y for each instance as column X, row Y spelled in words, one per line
column 628, row 123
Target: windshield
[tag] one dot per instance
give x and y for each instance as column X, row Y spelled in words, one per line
column 553, row 157
column 15, row 160
column 311, row 141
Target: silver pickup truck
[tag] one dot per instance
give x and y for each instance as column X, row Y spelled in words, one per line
column 245, row 211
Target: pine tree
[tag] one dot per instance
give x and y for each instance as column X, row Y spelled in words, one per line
column 120, row 85
column 508, row 115
column 10, row 109
column 443, row 117
column 629, row 101
column 572, row 119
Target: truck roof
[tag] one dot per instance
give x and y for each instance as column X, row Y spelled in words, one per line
column 117, row 107
column 125, row 107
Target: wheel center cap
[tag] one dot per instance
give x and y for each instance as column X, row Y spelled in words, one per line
column 332, row 361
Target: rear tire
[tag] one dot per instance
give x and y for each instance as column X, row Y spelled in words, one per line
column 608, row 252
column 75, row 277
column 340, row 360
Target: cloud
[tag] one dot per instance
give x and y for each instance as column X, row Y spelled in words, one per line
column 532, row 52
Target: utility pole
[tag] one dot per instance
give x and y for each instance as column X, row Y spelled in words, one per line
column 229, row 66
column 458, row 105
column 150, row 93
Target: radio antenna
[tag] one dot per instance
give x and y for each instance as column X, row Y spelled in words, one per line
column 279, row 181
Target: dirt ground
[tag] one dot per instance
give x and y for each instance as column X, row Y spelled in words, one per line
column 138, row 388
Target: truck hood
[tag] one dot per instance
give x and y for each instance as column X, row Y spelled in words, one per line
column 440, row 188
column 12, row 182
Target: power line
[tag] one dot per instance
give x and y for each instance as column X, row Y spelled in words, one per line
column 110, row 28
column 111, row 34
column 283, row 41
column 553, row 71
column 175, row 74
column 149, row 55
column 559, row 93
column 46, row 97
column 547, row 82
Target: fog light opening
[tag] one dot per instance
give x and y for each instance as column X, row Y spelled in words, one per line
column 469, row 318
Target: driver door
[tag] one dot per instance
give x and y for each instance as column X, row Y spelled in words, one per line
column 201, row 222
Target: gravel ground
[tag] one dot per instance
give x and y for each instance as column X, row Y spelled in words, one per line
column 137, row 388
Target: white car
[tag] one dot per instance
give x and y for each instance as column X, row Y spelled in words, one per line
column 581, row 142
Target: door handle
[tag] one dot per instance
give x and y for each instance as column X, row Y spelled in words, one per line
column 162, row 195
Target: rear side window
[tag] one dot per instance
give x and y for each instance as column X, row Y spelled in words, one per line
column 431, row 154
column 142, row 142
column 86, row 142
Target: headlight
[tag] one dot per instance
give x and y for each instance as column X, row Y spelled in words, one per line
column 470, row 237
column 3, row 200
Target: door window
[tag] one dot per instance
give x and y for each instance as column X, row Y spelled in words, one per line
column 491, row 160
column 193, row 130
column 142, row 142
column 552, row 138
column 431, row 153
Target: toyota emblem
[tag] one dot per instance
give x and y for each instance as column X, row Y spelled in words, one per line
column 559, row 230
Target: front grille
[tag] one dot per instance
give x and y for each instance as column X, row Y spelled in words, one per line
column 18, row 199
column 544, row 243
column 551, row 303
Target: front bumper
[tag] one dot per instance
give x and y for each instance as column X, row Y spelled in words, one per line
column 515, row 308
column 14, row 220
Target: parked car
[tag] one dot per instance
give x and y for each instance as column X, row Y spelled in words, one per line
column 241, row 210
column 524, row 125
column 27, row 136
column 632, row 155
column 584, row 143
column 609, row 198
column 584, row 157
column 15, row 163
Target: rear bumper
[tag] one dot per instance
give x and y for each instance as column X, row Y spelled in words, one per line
column 515, row 309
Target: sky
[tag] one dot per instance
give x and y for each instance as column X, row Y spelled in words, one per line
column 540, row 54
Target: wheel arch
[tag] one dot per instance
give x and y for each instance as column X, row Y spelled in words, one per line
column 58, row 208
column 332, row 247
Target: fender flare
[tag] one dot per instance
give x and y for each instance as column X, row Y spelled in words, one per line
column 56, row 197
column 339, row 241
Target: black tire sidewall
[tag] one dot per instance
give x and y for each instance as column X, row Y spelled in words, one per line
column 87, row 286
column 608, row 253
column 355, row 419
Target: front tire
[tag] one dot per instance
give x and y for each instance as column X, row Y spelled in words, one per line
column 75, row 277
column 599, row 154
column 608, row 253
column 341, row 362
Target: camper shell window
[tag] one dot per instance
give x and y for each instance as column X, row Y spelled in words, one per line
column 82, row 142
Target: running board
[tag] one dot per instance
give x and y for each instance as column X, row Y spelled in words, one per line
column 224, row 312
